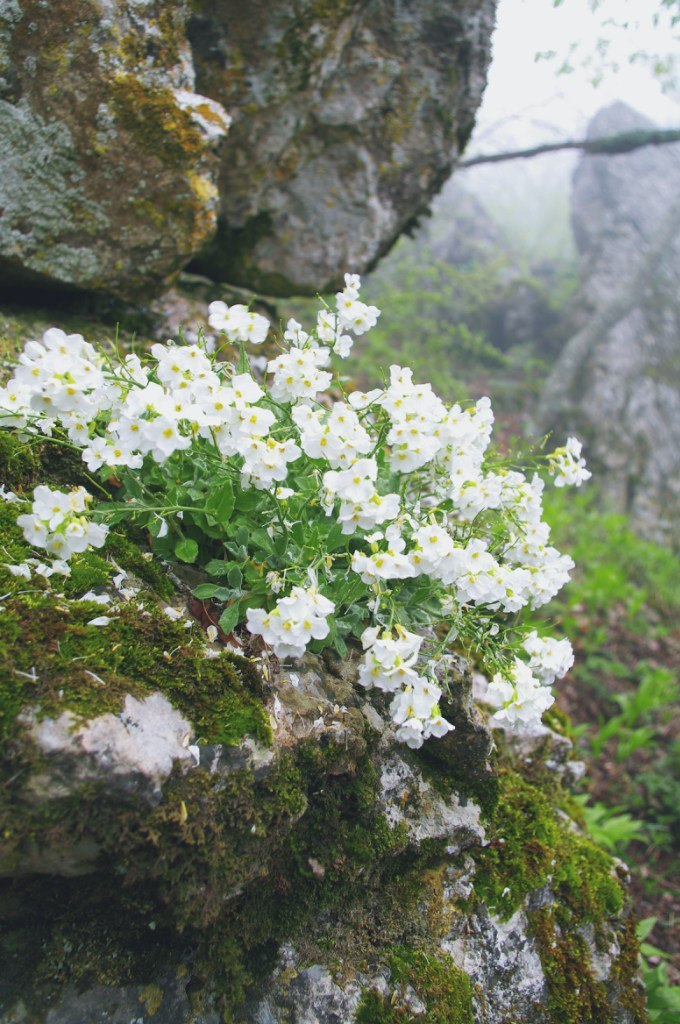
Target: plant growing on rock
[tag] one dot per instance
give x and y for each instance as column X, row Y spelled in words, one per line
column 383, row 517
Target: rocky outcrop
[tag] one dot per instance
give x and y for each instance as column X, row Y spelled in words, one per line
column 617, row 382
column 347, row 118
column 189, row 837
column 108, row 166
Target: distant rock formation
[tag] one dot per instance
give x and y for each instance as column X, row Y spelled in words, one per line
column 347, row 118
column 617, row 382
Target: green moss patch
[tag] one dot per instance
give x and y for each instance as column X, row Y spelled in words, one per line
column 530, row 846
column 444, row 988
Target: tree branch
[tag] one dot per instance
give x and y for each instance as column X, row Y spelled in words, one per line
column 608, row 145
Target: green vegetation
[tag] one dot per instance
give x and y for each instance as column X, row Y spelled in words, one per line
column 622, row 609
column 444, row 988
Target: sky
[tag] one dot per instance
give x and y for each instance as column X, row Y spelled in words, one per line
column 528, row 100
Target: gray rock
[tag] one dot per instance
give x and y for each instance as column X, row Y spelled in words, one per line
column 502, row 959
column 347, row 119
column 135, row 749
column 108, row 167
column 408, row 799
column 617, row 382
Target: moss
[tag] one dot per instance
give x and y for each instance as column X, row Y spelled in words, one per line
column 523, row 839
column 574, row 996
column 374, row 1009
column 444, row 988
column 625, row 974
column 152, row 117
column 530, row 845
column 129, row 556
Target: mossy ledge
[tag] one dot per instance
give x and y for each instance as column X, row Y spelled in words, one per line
column 186, row 899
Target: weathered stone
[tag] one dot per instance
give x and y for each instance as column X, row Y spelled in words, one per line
column 347, row 119
column 503, row 960
column 108, row 163
column 187, row 836
column 407, row 798
column 617, row 382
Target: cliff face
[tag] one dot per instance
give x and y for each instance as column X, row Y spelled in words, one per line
column 347, row 118
column 617, row 382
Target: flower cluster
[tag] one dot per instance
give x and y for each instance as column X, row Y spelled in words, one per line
column 58, row 522
column 389, row 665
column 567, row 466
column 293, row 621
column 383, row 514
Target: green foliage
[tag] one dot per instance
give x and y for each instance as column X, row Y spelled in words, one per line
column 438, row 320
column 663, row 998
column 616, row 566
column 608, row 826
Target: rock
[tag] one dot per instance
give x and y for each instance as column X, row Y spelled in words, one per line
column 108, row 168
column 205, row 838
column 137, row 748
column 502, row 958
column 407, row 799
column 617, row 382
column 347, row 119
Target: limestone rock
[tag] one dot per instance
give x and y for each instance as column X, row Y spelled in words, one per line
column 108, row 164
column 347, row 119
column 617, row 382
column 190, row 837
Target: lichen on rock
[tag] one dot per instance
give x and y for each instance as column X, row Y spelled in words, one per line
column 108, row 166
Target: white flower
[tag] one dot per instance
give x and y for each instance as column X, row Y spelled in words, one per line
column 57, row 523
column 293, row 622
column 568, row 466
column 519, row 696
column 549, row 659
column 238, row 323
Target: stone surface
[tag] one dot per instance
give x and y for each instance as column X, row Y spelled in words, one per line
column 347, row 119
column 201, row 838
column 408, row 799
column 617, row 382
column 108, row 166
column 502, row 958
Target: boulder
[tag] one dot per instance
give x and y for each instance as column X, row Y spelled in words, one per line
column 617, row 381
column 188, row 836
column 108, row 167
column 348, row 118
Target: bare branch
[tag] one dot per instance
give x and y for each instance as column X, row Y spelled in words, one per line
column 608, row 145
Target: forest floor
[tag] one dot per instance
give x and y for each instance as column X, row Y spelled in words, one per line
column 634, row 771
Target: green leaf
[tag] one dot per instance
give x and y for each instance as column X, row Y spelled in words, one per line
column 186, row 550
column 218, row 567
column 248, row 501
column 208, row 590
column 340, row 646
column 243, row 362
column 241, row 536
column 220, row 504
column 235, row 577
column 230, row 617
column 644, row 927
